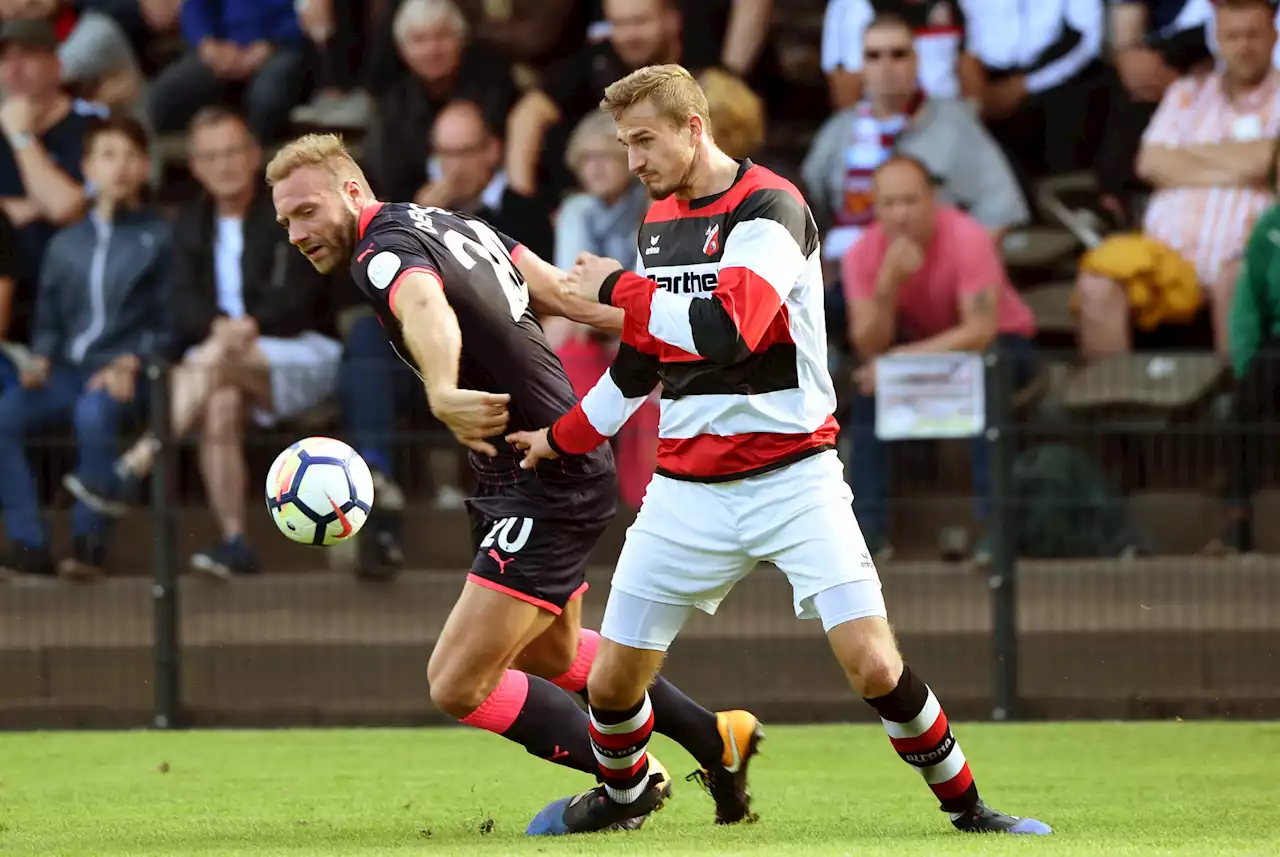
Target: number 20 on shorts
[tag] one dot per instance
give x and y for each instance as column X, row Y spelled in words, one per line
column 511, row 534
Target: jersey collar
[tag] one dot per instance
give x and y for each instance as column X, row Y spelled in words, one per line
column 367, row 214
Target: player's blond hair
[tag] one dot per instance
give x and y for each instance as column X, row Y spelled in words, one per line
column 316, row 150
column 671, row 89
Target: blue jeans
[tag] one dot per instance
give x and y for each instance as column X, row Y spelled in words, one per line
column 371, row 381
column 97, row 419
column 869, row 470
column 8, row 374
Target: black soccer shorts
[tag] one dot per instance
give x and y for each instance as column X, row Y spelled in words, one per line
column 538, row 560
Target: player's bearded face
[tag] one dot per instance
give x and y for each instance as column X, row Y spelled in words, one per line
column 331, row 236
column 321, row 221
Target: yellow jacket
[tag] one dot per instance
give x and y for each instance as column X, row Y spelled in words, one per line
column 1161, row 285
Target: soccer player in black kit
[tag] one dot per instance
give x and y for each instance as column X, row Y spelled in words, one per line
column 457, row 299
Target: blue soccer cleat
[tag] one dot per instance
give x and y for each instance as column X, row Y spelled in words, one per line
column 984, row 819
column 594, row 810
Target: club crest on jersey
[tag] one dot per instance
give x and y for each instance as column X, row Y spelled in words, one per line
column 712, row 245
column 382, row 269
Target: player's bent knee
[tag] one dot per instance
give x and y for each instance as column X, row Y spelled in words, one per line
column 869, row 655
column 457, row 695
column 620, row 675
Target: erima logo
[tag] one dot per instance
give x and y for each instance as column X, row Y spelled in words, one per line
column 687, row 283
column 653, row 246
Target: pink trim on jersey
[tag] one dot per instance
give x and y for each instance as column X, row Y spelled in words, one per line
column 395, row 286
column 367, row 214
column 516, row 252
column 576, row 678
column 501, row 708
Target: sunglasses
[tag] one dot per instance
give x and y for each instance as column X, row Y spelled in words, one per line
column 892, row 53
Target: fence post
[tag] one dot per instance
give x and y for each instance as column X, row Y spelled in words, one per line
column 1003, row 536
column 166, row 645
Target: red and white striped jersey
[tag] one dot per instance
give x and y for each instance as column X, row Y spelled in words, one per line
column 728, row 316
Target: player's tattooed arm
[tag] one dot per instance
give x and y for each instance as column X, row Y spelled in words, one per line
column 430, row 330
column 550, row 294
column 978, row 327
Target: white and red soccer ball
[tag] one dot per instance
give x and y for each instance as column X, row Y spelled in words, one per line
column 319, row 491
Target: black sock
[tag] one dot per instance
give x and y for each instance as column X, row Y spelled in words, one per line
column 919, row 732
column 687, row 723
column 549, row 724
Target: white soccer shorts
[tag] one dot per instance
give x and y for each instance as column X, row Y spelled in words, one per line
column 692, row 541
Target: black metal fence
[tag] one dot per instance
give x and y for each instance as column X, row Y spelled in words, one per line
column 1099, row 584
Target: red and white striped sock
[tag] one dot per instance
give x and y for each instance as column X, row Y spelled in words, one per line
column 919, row 732
column 620, row 740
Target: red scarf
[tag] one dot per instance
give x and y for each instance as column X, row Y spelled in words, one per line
column 873, row 142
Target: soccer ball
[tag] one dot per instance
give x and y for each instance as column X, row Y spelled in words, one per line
column 319, row 491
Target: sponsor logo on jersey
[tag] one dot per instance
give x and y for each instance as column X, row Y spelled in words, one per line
column 698, row 279
column 382, row 269
column 686, row 283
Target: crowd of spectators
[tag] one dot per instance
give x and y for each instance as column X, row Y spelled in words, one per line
column 943, row 116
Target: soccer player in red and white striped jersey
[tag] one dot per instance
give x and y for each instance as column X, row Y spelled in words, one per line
column 728, row 316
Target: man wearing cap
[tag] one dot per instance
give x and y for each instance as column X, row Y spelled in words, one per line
column 42, row 133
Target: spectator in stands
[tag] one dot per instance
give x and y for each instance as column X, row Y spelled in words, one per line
column 737, row 113
column 735, row 32
column 521, row 31
column 529, row 31
column 141, row 19
column 925, row 278
column 897, row 116
column 98, row 62
column 641, row 32
column 467, row 175
column 41, row 153
column 1254, row 341
column 11, row 352
column 1153, row 44
column 101, row 309
column 1207, row 152
column 334, row 28
column 245, row 50
column 604, row 217
column 946, row 68
column 431, row 36
column 1045, row 79
column 375, row 388
column 248, row 310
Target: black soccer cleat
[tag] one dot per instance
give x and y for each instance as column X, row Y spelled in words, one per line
column 594, row 810
column 984, row 819
column 727, row 783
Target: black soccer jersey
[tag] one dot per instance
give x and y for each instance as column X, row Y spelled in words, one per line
column 503, row 347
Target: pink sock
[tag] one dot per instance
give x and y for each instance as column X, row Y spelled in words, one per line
column 501, row 708
column 576, row 678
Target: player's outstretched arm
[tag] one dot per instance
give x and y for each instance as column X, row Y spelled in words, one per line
column 550, row 296
column 604, row 409
column 431, row 332
column 764, row 257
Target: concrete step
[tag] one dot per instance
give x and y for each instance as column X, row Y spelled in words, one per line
column 433, row 539
column 1147, row 638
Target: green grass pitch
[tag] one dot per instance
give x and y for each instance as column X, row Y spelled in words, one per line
column 1195, row 789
